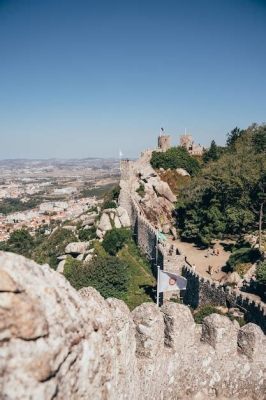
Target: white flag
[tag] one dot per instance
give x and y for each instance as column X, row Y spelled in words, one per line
column 168, row 281
column 120, row 153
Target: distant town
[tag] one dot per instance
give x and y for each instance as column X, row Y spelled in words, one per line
column 38, row 193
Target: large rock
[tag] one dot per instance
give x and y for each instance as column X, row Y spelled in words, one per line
column 105, row 223
column 77, row 247
column 89, row 220
column 182, row 172
column 61, row 266
column 164, row 190
column 117, row 222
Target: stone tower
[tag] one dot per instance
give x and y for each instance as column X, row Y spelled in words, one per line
column 193, row 148
column 186, row 141
column 164, row 142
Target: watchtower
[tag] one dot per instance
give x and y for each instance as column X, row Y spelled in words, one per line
column 164, row 142
column 186, row 141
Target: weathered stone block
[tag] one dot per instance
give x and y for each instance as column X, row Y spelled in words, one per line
column 220, row 333
column 149, row 330
column 251, row 342
column 179, row 326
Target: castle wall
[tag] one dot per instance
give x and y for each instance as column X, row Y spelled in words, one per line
column 56, row 343
column 126, row 169
column 164, row 142
column 202, row 291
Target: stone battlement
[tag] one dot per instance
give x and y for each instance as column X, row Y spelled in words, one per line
column 202, row 291
column 57, row 343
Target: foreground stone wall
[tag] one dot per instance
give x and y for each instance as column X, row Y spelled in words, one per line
column 56, row 343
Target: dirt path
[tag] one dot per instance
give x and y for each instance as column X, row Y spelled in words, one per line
column 202, row 259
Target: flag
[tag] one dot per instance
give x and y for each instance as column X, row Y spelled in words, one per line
column 168, row 281
column 161, row 236
column 120, row 153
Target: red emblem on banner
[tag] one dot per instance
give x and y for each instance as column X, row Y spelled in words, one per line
column 172, row 281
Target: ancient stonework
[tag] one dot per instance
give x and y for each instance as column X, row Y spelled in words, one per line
column 200, row 290
column 56, row 343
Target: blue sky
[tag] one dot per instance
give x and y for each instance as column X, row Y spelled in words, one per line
column 85, row 78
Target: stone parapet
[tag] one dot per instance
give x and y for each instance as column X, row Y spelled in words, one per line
column 56, row 343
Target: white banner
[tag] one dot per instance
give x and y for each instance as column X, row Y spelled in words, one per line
column 168, row 281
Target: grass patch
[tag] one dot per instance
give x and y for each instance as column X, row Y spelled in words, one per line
column 141, row 280
column 98, row 192
column 175, row 181
column 242, row 268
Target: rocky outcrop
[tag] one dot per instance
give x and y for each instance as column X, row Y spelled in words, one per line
column 182, row 172
column 61, row 266
column 76, row 248
column 154, row 196
column 112, row 218
column 56, row 343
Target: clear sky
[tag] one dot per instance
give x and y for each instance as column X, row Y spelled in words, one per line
column 82, row 78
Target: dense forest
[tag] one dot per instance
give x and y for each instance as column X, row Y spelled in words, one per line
column 226, row 197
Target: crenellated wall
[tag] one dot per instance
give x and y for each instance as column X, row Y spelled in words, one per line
column 202, row 291
column 58, row 344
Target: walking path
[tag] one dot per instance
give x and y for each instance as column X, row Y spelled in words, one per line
column 202, row 259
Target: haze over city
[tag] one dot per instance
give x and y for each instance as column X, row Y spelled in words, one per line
column 85, row 78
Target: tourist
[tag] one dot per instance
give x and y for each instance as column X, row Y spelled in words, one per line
column 210, row 268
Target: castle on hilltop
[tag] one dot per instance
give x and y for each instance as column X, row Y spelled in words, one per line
column 186, row 141
column 193, row 148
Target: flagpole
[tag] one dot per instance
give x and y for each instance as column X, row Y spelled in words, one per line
column 158, row 277
column 156, row 249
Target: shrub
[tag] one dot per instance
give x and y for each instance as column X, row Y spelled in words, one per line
column 242, row 256
column 261, row 272
column 110, row 198
column 141, row 190
column 242, row 268
column 176, row 157
column 108, row 275
column 115, row 239
column 109, row 204
column 203, row 312
column 20, row 242
column 87, row 234
column 53, row 246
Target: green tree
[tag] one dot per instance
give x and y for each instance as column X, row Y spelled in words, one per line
column 212, row 154
column 175, row 157
column 259, row 140
column 108, row 275
column 20, row 242
column 243, row 255
column 115, row 239
column 261, row 272
column 227, row 197
column 233, row 136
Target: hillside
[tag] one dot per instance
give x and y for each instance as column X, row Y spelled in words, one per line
column 227, row 196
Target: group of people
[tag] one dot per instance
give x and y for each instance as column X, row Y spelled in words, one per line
column 212, row 252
